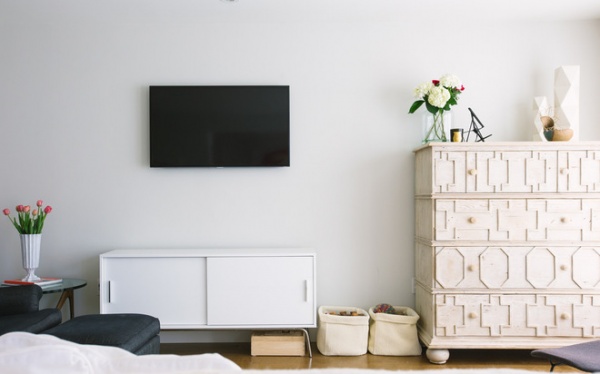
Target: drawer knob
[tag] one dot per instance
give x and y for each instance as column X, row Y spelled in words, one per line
column 563, row 267
column 472, row 219
column 472, row 171
column 564, row 316
column 471, row 268
column 564, row 171
column 472, row 315
column 565, row 220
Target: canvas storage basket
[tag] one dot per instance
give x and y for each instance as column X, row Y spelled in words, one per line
column 342, row 335
column 394, row 334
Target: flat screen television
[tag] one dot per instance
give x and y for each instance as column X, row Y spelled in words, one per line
column 219, row 126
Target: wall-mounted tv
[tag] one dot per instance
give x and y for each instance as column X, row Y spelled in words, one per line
column 219, row 126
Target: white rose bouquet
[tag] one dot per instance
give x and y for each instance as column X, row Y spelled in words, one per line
column 438, row 94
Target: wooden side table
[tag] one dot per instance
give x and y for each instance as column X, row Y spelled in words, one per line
column 67, row 286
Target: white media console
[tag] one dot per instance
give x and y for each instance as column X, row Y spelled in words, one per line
column 212, row 289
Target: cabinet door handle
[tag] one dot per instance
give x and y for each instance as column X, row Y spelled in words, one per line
column 473, row 315
column 473, row 172
column 565, row 220
column 564, row 171
column 109, row 292
column 306, row 290
column 472, row 219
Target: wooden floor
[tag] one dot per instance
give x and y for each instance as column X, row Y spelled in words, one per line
column 459, row 359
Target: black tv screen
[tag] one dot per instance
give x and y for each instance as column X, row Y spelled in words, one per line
column 219, row 126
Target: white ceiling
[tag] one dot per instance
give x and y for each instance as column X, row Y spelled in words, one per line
column 419, row 11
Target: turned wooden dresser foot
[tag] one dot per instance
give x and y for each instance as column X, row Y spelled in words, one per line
column 437, row 356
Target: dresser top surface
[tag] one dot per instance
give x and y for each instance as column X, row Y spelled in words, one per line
column 521, row 146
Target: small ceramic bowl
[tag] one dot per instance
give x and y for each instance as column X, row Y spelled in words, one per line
column 562, row 135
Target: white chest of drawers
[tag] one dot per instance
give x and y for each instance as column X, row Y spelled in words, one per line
column 507, row 245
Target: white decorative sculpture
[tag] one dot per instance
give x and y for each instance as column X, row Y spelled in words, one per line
column 540, row 107
column 566, row 98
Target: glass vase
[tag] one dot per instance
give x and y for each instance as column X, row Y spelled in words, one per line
column 436, row 127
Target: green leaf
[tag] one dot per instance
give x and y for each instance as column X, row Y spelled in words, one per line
column 36, row 225
column 432, row 109
column 416, row 105
column 14, row 221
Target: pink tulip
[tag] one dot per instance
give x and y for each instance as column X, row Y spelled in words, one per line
column 19, row 208
column 39, row 203
column 26, row 208
column 6, row 212
column 47, row 209
column 34, row 212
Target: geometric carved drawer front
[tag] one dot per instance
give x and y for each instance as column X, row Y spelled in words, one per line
column 495, row 171
column 572, row 268
column 586, row 267
column 511, row 171
column 468, row 267
column 516, row 171
column 518, row 315
column 579, row 171
column 517, row 219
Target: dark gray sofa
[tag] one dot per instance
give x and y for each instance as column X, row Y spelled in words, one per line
column 19, row 311
column 136, row 333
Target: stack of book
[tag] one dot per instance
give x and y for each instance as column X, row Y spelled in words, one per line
column 43, row 282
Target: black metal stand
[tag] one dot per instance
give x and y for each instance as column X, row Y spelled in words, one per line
column 476, row 125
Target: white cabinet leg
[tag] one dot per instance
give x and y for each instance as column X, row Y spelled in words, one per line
column 437, row 356
column 307, row 338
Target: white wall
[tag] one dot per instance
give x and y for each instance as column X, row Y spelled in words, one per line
column 73, row 131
